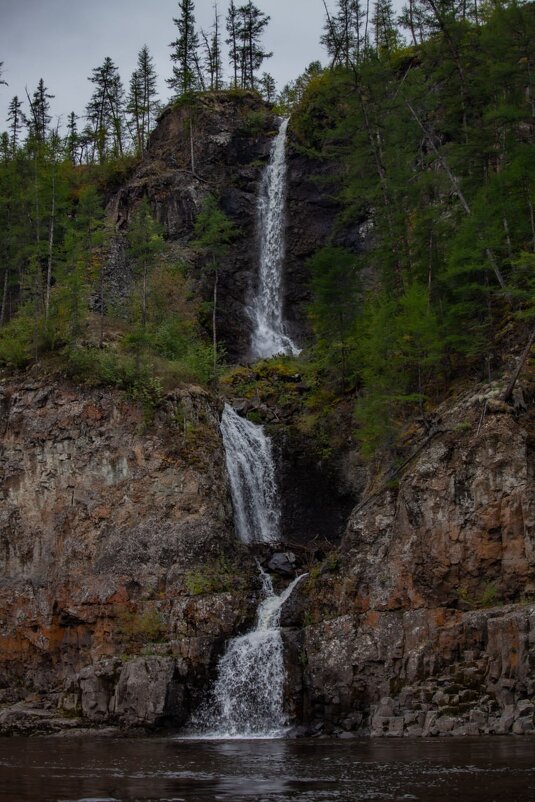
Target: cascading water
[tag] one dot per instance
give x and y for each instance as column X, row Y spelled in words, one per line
column 247, row 700
column 269, row 337
column 253, row 485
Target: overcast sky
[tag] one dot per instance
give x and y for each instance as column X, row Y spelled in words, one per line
column 62, row 40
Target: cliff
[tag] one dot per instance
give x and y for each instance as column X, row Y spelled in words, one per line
column 121, row 576
column 424, row 621
column 219, row 144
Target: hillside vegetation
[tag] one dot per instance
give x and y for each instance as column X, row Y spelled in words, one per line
column 432, row 153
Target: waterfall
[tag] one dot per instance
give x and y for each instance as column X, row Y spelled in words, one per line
column 247, row 700
column 269, row 337
column 251, row 471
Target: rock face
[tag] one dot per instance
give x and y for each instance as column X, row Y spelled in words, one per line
column 117, row 539
column 228, row 136
column 425, row 624
column 312, row 222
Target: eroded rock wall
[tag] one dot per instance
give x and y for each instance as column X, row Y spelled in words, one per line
column 120, row 575
column 424, row 624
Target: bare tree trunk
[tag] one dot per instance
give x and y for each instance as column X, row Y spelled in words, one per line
column 507, row 236
column 191, row 146
column 50, row 247
column 532, row 220
column 4, row 298
column 214, row 319
column 523, row 359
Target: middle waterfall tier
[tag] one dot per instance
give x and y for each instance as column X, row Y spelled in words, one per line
column 251, row 470
column 269, row 335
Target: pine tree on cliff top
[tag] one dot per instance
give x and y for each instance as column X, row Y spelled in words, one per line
column 185, row 51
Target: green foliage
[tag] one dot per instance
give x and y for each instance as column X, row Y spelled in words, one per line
column 335, row 305
column 254, row 122
column 141, row 628
column 422, row 145
column 16, row 341
column 214, row 231
column 217, row 577
column 489, row 596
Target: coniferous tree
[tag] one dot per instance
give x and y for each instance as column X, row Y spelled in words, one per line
column 2, row 82
column 214, row 231
column 343, row 36
column 385, row 31
column 134, row 108
column 412, row 19
column 149, row 92
column 40, row 118
column 145, row 243
column 213, row 60
column 251, row 25
column 233, row 41
column 72, row 140
column 184, row 55
column 268, row 87
column 105, row 110
column 15, row 120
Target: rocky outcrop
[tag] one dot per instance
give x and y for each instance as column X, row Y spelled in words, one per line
column 215, row 144
column 219, row 144
column 117, row 542
column 424, row 623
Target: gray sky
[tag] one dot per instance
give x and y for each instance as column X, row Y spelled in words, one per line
column 62, row 40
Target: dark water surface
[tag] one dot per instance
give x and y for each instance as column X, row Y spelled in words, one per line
column 456, row 770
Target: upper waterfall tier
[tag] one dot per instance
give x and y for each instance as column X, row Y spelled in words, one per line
column 251, row 473
column 269, row 337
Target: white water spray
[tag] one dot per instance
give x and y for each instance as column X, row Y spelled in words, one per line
column 251, row 471
column 247, row 700
column 269, row 337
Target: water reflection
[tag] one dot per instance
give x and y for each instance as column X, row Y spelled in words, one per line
column 172, row 770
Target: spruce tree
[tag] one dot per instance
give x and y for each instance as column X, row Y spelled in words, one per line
column 213, row 60
column 251, row 29
column 148, row 79
column 268, row 87
column 39, row 112
column 184, row 55
column 15, row 119
column 105, row 110
column 72, row 139
column 233, row 41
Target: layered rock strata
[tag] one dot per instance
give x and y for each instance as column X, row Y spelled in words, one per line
column 424, row 624
column 121, row 576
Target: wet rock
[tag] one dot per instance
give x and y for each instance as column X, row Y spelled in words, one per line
column 283, row 563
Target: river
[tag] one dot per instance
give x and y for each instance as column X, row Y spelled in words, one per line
column 308, row 770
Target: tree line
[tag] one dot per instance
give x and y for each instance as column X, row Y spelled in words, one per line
column 119, row 120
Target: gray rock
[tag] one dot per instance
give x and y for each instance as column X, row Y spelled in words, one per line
column 149, row 692
column 97, row 686
column 283, row 563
